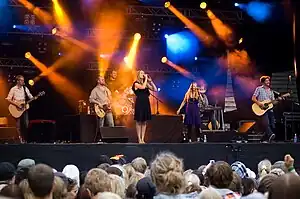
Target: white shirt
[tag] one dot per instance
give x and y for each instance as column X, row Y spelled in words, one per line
column 100, row 94
column 18, row 94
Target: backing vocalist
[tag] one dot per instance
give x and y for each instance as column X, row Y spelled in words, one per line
column 142, row 109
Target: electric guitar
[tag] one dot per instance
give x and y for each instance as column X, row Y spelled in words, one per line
column 268, row 104
column 101, row 111
column 17, row 111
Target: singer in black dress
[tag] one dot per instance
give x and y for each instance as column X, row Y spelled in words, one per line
column 142, row 110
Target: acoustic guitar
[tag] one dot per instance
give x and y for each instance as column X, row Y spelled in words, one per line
column 101, row 112
column 16, row 111
column 268, row 104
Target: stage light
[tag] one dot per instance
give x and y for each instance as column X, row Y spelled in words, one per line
column 14, row 26
column 259, row 11
column 166, row 36
column 196, row 58
column 241, row 40
column 158, row 89
column 54, row 31
column 236, row 4
column 164, row 60
column 137, row 36
column 167, row 4
column 59, row 54
column 27, row 55
column 203, row 5
column 126, row 59
column 31, row 82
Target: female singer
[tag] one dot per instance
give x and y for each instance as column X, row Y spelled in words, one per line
column 142, row 109
column 192, row 114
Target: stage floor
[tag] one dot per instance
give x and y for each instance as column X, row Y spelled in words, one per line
column 85, row 156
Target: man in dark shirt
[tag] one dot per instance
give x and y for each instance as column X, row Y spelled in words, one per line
column 112, row 83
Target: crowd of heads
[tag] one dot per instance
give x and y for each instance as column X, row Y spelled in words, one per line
column 164, row 178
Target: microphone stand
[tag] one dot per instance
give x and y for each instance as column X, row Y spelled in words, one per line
column 157, row 103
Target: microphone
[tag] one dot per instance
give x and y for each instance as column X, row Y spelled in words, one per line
column 290, row 78
column 276, row 92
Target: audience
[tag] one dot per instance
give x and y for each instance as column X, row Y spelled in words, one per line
column 165, row 178
column 40, row 180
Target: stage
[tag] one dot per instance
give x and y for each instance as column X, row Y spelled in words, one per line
column 86, row 156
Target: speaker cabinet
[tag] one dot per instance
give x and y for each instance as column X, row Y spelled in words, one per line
column 78, row 128
column 41, row 131
column 114, row 134
column 9, row 135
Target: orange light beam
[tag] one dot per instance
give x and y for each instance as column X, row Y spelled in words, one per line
column 74, row 54
column 43, row 15
column 133, row 51
column 111, row 23
column 223, row 31
column 61, row 17
column 71, row 92
column 181, row 70
column 78, row 43
column 199, row 32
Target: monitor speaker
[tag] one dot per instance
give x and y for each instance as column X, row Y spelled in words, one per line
column 114, row 134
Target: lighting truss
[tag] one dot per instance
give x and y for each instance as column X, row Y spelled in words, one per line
column 149, row 35
column 232, row 16
column 94, row 66
column 225, row 15
column 15, row 63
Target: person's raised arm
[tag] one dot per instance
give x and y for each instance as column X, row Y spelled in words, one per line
column 141, row 86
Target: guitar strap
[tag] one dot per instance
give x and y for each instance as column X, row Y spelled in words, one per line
column 26, row 95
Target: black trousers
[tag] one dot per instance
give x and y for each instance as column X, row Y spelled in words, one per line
column 22, row 125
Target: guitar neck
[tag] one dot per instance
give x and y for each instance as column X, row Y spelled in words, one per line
column 29, row 101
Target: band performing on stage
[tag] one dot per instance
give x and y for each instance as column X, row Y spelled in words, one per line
column 105, row 101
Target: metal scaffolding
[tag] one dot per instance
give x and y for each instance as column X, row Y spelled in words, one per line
column 225, row 15
column 232, row 16
column 16, row 63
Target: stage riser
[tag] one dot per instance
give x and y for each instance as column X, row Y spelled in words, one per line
column 86, row 156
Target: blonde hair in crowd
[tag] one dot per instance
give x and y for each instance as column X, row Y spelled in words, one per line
column 167, row 174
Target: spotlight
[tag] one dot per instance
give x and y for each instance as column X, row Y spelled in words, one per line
column 241, row 40
column 54, row 31
column 203, row 5
column 27, row 55
column 167, row 4
column 196, row 58
column 31, row 82
column 236, row 4
column 14, row 26
column 126, row 59
column 59, row 54
column 164, row 60
column 166, row 36
column 158, row 89
column 137, row 36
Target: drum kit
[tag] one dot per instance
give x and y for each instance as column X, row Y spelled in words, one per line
column 124, row 103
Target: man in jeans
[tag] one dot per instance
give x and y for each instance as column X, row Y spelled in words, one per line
column 262, row 93
column 101, row 96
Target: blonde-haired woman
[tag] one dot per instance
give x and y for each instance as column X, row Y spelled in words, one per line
column 142, row 109
column 192, row 113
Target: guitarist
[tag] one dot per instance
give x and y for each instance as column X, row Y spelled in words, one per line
column 262, row 93
column 101, row 96
column 20, row 93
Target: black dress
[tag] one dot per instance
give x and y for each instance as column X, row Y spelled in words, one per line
column 142, row 109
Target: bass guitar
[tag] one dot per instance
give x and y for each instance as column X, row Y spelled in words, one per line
column 17, row 111
column 267, row 105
